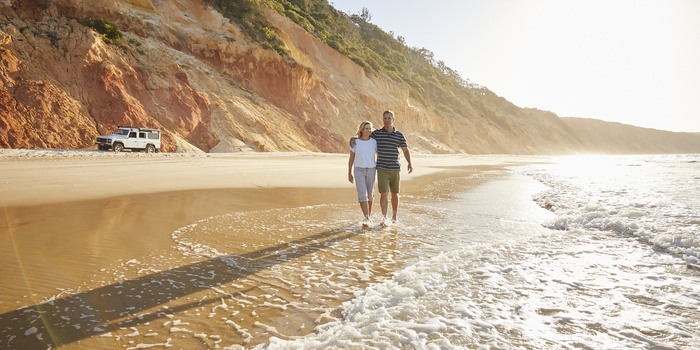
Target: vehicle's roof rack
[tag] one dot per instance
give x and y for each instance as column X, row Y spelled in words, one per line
column 139, row 129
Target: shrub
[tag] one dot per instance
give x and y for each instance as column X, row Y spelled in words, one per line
column 248, row 14
column 107, row 29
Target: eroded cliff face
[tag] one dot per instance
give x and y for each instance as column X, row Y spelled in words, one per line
column 187, row 70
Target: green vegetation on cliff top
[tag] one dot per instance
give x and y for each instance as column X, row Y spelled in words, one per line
column 431, row 82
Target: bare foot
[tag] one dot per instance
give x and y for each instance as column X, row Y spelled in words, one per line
column 385, row 222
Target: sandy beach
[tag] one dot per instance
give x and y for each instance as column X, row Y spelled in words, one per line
column 266, row 251
column 32, row 177
column 82, row 225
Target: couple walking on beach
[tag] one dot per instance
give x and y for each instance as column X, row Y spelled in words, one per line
column 375, row 154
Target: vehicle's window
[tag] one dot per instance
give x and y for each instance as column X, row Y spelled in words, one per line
column 153, row 135
column 142, row 135
column 120, row 132
column 132, row 134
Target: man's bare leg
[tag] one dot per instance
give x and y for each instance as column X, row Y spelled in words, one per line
column 384, row 203
column 394, row 206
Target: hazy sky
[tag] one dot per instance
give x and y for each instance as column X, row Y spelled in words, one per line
column 631, row 61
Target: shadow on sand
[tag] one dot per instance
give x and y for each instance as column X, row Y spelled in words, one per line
column 71, row 318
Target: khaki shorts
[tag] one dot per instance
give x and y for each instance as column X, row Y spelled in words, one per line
column 388, row 180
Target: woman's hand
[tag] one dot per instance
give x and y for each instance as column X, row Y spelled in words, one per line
column 350, row 178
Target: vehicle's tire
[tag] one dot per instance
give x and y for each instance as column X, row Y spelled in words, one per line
column 118, row 147
column 150, row 149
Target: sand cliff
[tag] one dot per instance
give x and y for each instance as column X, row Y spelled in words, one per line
column 189, row 71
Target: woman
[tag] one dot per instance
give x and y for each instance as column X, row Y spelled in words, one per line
column 363, row 160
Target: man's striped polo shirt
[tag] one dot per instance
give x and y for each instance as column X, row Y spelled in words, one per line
column 388, row 144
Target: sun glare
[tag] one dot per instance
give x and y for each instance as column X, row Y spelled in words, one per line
column 589, row 166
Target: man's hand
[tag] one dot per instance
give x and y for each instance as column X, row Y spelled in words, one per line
column 352, row 141
column 407, row 155
column 350, row 178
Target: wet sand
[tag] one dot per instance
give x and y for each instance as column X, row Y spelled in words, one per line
column 85, row 268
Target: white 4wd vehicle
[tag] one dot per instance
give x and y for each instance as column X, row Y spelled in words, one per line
column 135, row 139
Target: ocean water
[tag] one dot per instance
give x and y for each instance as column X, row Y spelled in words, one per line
column 610, row 264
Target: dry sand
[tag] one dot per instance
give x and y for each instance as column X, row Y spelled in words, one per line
column 71, row 215
column 30, row 177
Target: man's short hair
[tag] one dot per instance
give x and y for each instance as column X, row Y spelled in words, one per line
column 388, row 111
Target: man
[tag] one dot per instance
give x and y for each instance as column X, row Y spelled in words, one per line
column 389, row 140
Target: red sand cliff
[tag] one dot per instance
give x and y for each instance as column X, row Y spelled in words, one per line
column 188, row 71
